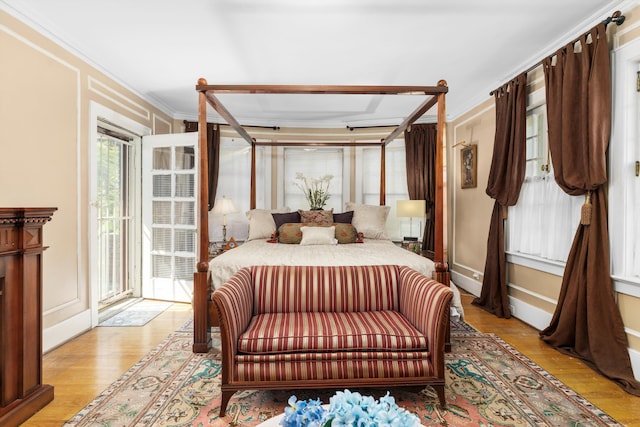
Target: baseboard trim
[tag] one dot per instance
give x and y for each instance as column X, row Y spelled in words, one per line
column 62, row 332
column 467, row 283
column 529, row 314
column 634, row 355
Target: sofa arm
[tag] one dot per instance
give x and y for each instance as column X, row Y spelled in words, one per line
column 426, row 304
column 234, row 302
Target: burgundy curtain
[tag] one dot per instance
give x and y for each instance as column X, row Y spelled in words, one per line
column 505, row 180
column 586, row 323
column 420, row 150
column 213, row 147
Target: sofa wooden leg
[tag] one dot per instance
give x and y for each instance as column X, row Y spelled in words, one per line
column 440, row 390
column 226, row 395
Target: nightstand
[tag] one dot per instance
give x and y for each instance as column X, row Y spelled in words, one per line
column 218, row 248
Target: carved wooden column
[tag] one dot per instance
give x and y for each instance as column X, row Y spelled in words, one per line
column 22, row 393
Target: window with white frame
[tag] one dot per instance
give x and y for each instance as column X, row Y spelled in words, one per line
column 395, row 183
column 543, row 222
column 624, row 171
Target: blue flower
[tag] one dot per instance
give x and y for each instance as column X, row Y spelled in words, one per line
column 347, row 409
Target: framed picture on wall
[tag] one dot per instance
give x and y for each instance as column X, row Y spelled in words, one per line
column 468, row 166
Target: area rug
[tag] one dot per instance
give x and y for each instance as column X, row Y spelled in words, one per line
column 138, row 314
column 488, row 384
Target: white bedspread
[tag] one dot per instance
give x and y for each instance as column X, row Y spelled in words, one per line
column 371, row 252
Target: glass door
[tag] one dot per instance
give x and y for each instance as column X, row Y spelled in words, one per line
column 115, row 204
column 169, row 216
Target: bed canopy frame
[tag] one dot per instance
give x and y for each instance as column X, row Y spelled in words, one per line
column 204, row 313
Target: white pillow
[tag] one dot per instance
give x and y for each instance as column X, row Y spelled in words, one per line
column 261, row 223
column 318, row 235
column 370, row 220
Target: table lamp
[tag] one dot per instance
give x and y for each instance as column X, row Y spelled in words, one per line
column 223, row 206
column 411, row 209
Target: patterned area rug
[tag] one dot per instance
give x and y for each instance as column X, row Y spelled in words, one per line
column 488, row 384
column 139, row 314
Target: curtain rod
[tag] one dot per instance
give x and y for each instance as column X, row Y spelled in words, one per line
column 617, row 17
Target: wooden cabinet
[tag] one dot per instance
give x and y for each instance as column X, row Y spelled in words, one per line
column 22, row 393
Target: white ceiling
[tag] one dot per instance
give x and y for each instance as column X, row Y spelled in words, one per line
column 160, row 48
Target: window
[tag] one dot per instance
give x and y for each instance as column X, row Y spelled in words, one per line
column 395, row 185
column 624, row 179
column 234, row 182
column 313, row 163
column 543, row 222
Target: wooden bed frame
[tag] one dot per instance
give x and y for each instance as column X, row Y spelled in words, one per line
column 204, row 313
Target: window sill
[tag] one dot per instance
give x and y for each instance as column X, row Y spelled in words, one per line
column 621, row 285
column 627, row 286
column 548, row 266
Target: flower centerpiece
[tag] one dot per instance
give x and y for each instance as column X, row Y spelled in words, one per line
column 348, row 409
column 315, row 190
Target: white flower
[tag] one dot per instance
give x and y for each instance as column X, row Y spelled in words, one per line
column 315, row 190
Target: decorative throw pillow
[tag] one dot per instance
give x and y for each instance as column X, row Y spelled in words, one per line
column 346, row 233
column 290, row 232
column 318, row 217
column 283, row 218
column 343, row 218
column 370, row 220
column 318, row 235
column 261, row 223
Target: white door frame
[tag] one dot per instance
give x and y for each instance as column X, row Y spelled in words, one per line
column 98, row 111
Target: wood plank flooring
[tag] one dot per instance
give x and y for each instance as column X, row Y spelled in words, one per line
column 84, row 367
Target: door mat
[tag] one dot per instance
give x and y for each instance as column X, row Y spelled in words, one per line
column 139, row 314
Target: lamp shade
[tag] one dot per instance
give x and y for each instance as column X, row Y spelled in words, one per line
column 411, row 208
column 223, row 206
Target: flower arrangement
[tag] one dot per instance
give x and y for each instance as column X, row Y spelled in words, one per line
column 315, row 190
column 348, row 409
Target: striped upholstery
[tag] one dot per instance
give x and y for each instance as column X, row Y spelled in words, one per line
column 309, row 332
column 340, row 365
column 311, row 327
column 417, row 292
column 302, row 289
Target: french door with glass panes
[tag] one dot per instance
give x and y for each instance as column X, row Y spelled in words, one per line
column 115, row 219
column 169, row 209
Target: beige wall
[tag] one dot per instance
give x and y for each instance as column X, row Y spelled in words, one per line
column 533, row 293
column 44, row 136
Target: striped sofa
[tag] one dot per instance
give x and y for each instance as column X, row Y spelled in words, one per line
column 304, row 327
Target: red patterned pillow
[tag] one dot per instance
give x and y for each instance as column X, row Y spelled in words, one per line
column 346, row 233
column 290, row 233
column 317, row 217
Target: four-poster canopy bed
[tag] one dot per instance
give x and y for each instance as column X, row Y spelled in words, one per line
column 204, row 311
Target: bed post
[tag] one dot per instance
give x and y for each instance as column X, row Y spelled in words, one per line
column 441, row 272
column 252, row 202
column 201, row 335
column 383, row 173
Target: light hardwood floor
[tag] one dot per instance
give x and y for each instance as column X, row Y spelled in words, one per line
column 84, row 367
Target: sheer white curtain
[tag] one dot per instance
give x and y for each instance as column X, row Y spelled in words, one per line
column 395, row 184
column 635, row 227
column 234, row 182
column 544, row 220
